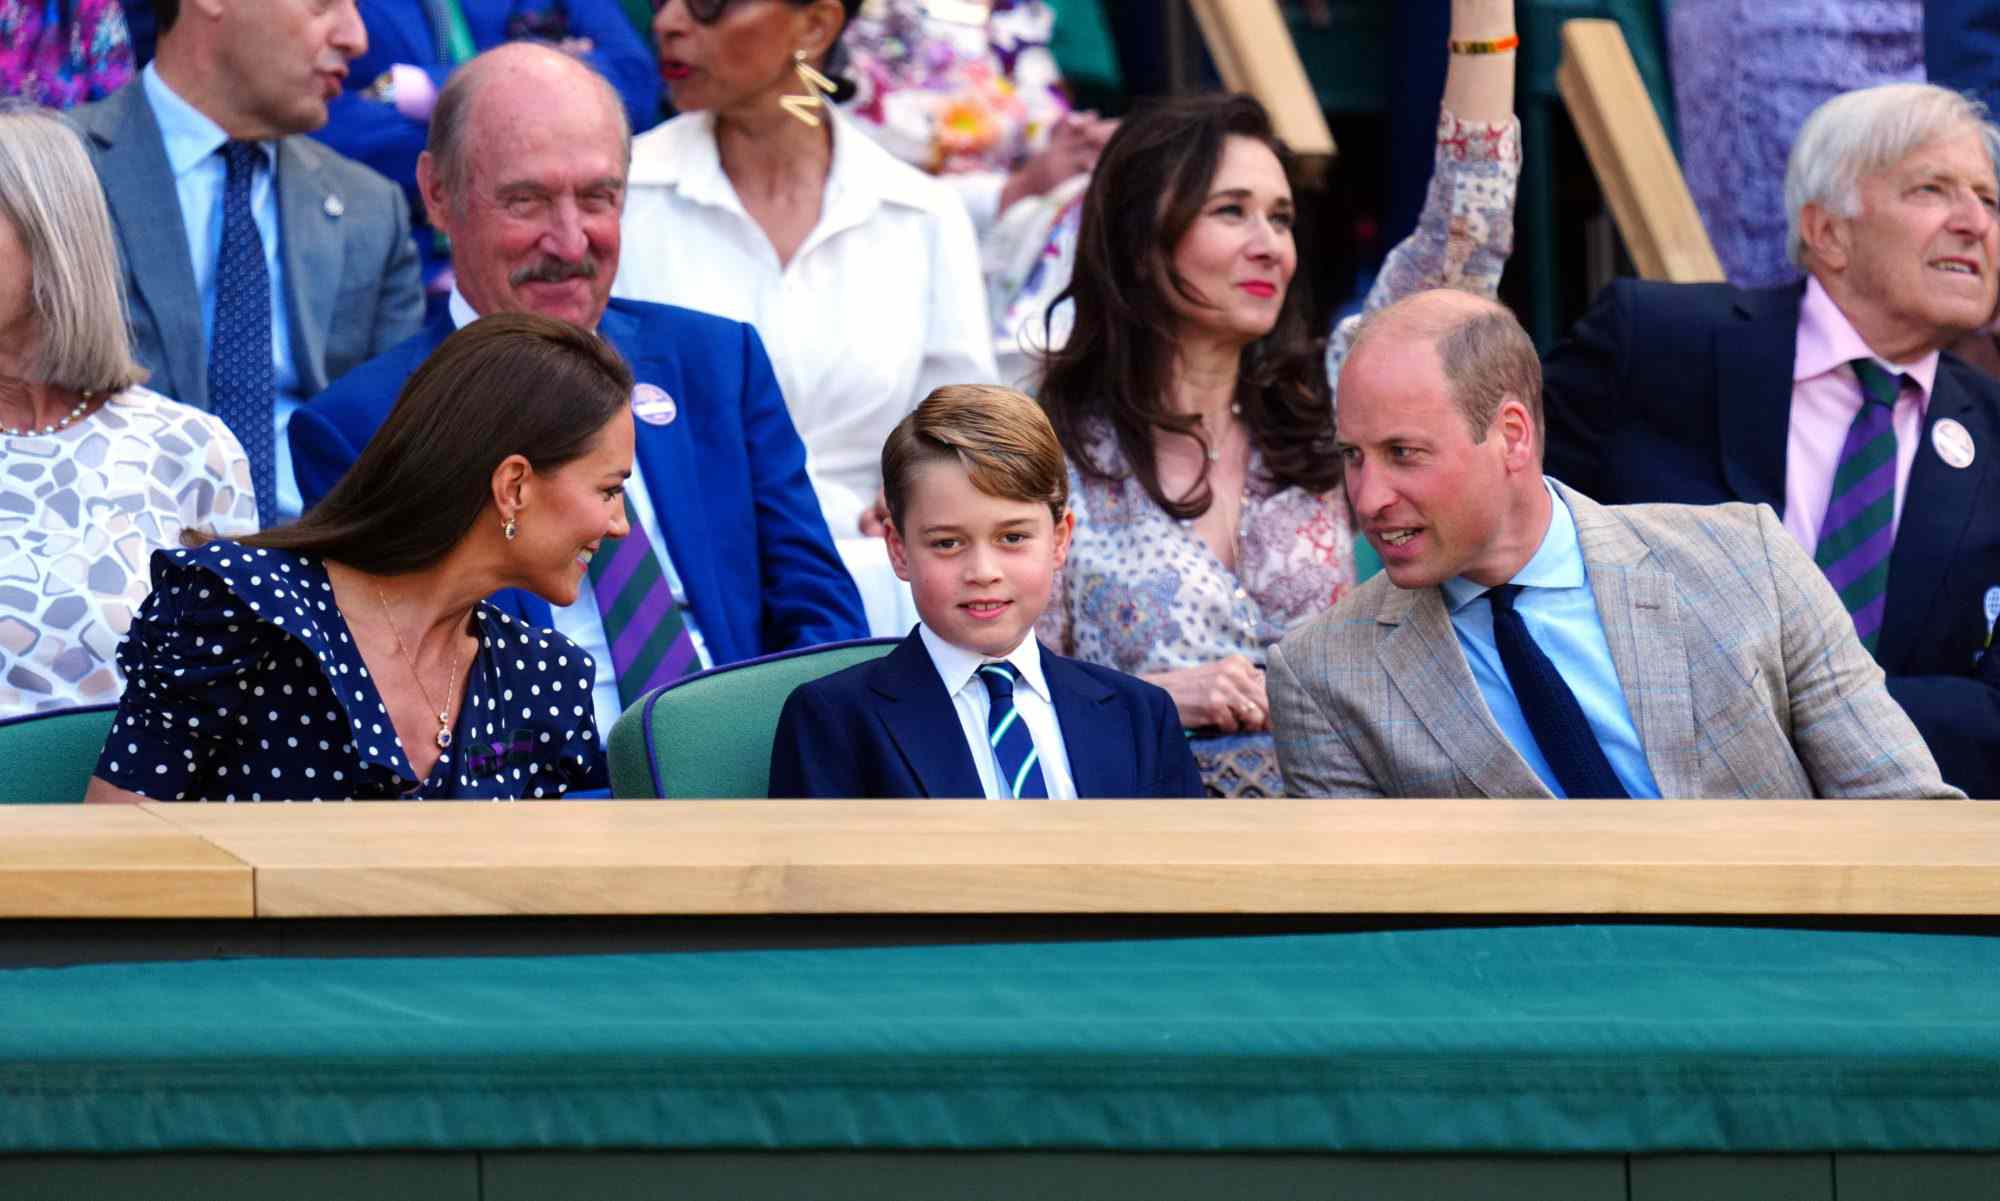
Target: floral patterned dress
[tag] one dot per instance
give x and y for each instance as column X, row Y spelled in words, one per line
column 63, row 53
column 1143, row 593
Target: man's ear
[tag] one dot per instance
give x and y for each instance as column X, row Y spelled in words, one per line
column 430, row 185
column 1828, row 236
column 1515, row 426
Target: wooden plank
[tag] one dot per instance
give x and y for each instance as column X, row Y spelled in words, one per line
column 1630, row 154
column 1272, row 857
column 1718, row 1177
column 112, row 861
column 1003, row 1175
column 1253, row 53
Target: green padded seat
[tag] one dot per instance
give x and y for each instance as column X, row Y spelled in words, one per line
column 50, row 757
column 709, row 735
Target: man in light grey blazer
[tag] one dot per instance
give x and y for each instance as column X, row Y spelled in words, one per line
column 340, row 267
column 1525, row 641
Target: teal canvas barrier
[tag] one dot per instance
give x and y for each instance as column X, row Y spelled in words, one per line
column 1526, row 1040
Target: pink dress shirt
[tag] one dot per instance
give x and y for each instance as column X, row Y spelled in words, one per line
column 1825, row 400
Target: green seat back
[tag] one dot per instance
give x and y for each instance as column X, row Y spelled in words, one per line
column 48, row 758
column 709, row 736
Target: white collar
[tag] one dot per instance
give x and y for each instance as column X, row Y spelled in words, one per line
column 956, row 666
column 682, row 154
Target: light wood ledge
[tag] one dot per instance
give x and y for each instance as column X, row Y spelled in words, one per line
column 113, row 861
column 1261, row 857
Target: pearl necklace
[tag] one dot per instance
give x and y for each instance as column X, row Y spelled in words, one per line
column 60, row 423
column 1215, row 442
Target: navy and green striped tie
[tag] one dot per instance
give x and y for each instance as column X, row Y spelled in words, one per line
column 1013, row 746
column 1859, row 530
column 650, row 644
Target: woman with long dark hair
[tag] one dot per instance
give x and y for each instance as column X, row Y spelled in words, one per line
column 1195, row 403
column 351, row 655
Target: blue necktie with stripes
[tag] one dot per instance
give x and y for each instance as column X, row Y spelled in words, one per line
column 1013, row 746
column 242, row 380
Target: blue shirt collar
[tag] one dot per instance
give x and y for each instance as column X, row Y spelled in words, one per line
column 1557, row 563
column 191, row 139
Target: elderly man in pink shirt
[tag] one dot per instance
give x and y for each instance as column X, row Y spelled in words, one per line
column 1831, row 400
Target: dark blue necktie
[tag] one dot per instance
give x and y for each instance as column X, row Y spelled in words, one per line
column 1013, row 746
column 241, row 378
column 1554, row 717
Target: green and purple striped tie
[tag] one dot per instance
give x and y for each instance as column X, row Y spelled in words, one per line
column 1859, row 530
column 650, row 644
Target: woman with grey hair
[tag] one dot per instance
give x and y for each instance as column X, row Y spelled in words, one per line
column 96, row 472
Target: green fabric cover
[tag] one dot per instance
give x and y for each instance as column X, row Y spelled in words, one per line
column 48, row 760
column 1539, row 1039
column 709, row 736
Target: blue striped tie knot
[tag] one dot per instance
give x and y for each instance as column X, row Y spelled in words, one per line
column 1013, row 746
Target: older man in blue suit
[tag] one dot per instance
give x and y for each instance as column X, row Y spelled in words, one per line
column 525, row 173
column 259, row 265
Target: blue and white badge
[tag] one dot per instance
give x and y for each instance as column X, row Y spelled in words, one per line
column 652, row 405
column 1992, row 611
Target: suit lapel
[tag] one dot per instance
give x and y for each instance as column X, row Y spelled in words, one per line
column 309, row 214
column 1936, row 510
column 923, row 722
column 139, row 189
column 1424, row 661
column 1639, row 605
column 1080, row 711
column 1753, row 392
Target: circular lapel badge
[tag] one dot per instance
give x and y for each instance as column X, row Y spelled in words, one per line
column 1992, row 605
column 334, row 206
column 1953, row 443
column 653, row 406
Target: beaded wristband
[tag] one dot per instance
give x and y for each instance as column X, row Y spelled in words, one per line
column 1497, row 46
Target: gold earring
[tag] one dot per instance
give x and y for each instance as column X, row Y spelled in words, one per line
column 803, row 107
column 507, row 529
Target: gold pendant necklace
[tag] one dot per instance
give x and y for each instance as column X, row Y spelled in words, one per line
column 444, row 710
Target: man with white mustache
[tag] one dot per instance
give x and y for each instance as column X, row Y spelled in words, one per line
column 1830, row 400
column 525, row 173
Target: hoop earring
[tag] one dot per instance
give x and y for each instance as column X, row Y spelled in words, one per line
column 803, row 107
column 508, row 529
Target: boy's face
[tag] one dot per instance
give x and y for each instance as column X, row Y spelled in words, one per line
column 979, row 566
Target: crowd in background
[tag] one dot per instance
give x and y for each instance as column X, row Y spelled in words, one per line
column 310, row 461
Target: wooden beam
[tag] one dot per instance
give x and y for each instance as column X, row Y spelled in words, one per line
column 1253, row 52
column 1628, row 150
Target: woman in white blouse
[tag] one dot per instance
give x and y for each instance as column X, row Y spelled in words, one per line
column 763, row 204
column 99, row 472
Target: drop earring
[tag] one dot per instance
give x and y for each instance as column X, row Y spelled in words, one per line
column 507, row 529
column 804, row 107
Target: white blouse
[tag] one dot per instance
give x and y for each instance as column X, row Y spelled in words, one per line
column 882, row 303
column 81, row 512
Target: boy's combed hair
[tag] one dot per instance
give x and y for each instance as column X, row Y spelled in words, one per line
column 1002, row 439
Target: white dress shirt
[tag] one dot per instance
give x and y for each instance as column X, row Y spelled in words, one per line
column 581, row 622
column 882, row 302
column 959, row 669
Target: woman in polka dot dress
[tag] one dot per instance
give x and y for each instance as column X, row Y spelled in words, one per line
column 351, row 656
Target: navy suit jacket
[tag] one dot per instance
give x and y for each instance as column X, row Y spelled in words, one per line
column 1682, row 392
column 887, row 728
column 399, row 31
column 727, row 477
column 350, row 267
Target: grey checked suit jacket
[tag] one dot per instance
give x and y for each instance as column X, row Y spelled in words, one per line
column 1741, row 669
column 351, row 273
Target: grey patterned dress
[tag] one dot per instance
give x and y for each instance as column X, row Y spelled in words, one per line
column 81, row 512
column 1143, row 593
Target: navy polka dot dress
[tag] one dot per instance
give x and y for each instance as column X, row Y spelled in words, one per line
column 242, row 684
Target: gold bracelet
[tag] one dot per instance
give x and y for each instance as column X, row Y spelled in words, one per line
column 1497, row 46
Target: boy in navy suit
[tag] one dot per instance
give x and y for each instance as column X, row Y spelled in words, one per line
column 970, row 704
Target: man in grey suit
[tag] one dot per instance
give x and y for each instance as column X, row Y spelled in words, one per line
column 260, row 265
column 1525, row 641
